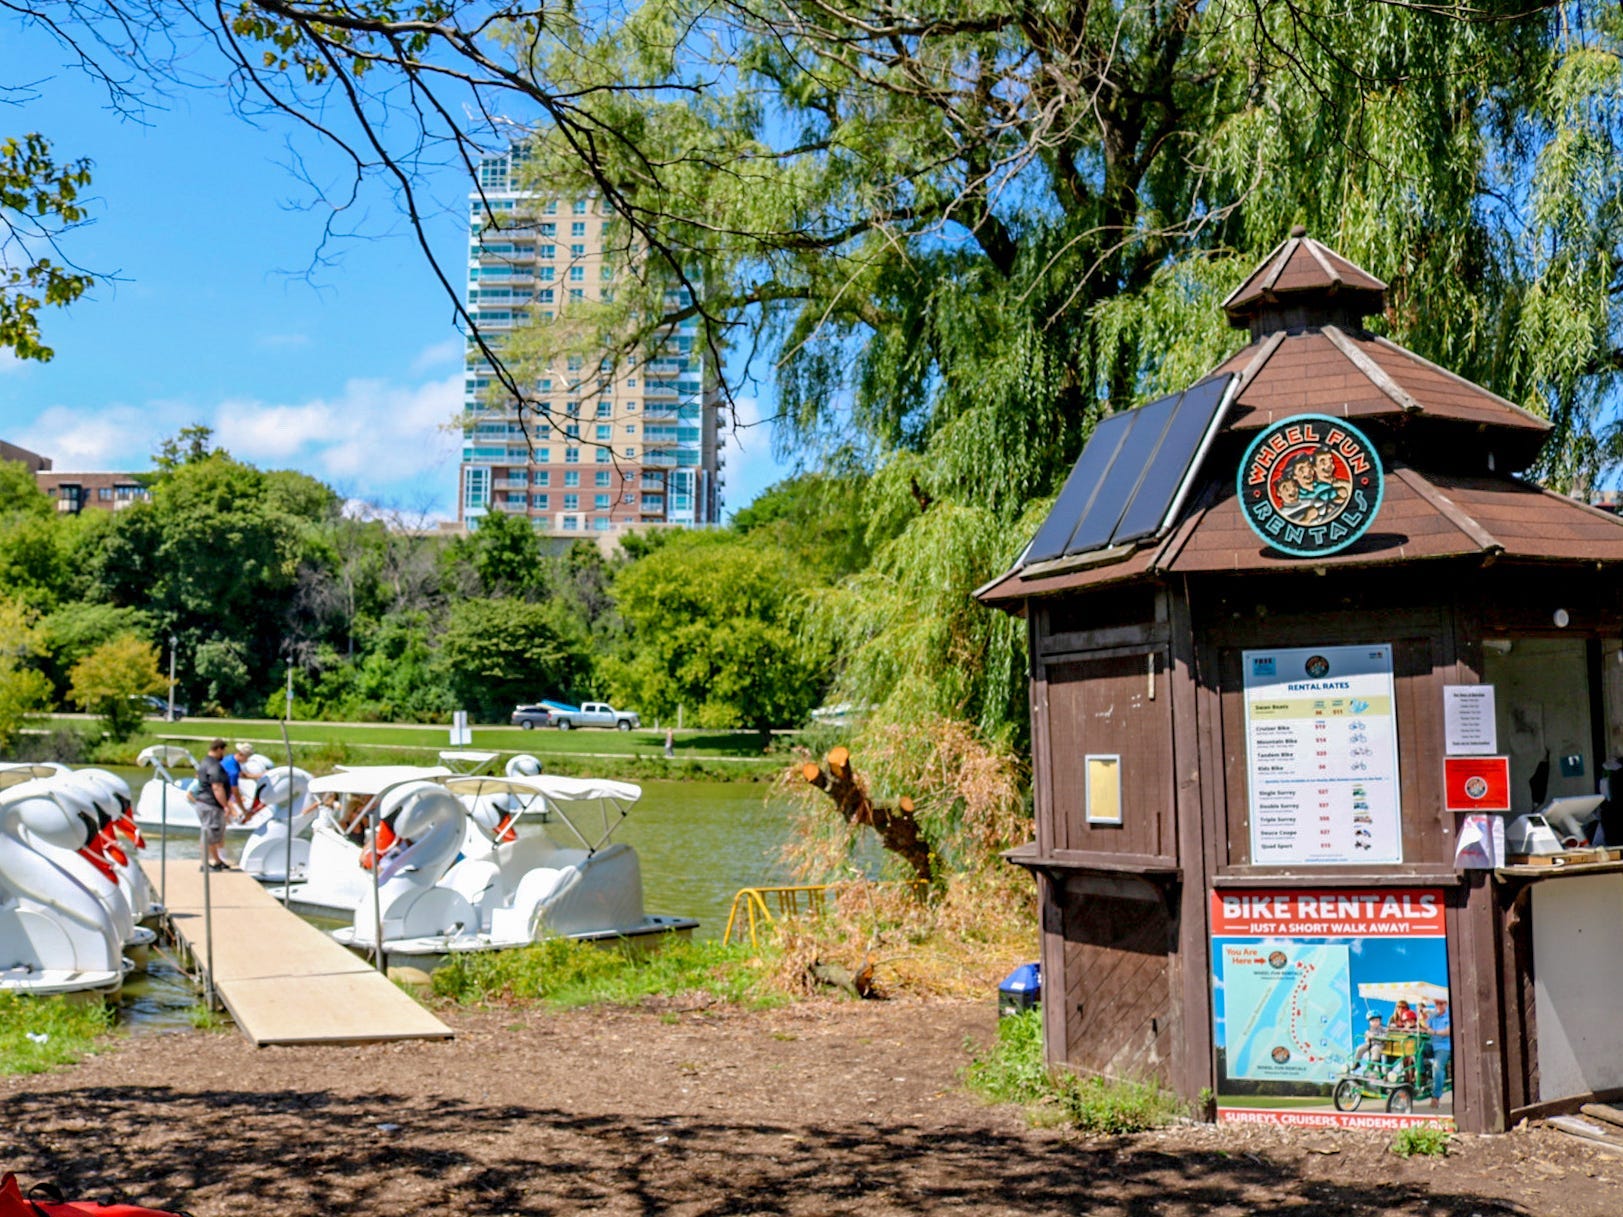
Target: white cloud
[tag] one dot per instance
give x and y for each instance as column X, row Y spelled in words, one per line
column 371, row 435
column 283, row 341
column 373, row 439
column 9, row 363
column 118, row 436
column 452, row 350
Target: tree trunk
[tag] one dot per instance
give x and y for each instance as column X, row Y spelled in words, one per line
column 898, row 830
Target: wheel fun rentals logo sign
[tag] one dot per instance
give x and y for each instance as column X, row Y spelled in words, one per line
column 1310, row 485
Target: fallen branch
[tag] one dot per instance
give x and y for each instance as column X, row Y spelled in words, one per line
column 857, row 984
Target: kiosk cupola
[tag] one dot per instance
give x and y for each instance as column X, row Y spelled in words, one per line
column 1304, row 284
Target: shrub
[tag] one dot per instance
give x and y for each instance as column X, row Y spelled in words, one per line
column 1013, row 1069
column 1116, row 1105
column 1427, row 1140
column 61, row 743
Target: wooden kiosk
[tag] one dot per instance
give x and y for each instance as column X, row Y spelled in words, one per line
column 1281, row 625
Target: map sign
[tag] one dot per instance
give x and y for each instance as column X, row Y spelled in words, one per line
column 1321, row 1001
column 1293, row 1008
column 1322, row 756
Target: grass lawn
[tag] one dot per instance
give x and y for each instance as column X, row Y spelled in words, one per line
column 635, row 755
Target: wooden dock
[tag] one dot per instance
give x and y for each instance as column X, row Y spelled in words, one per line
column 283, row 980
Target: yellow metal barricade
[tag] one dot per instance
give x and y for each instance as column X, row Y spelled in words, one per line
column 753, row 906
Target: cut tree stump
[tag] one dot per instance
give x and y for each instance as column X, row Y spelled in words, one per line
column 896, row 827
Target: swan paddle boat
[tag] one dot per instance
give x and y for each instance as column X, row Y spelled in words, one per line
column 340, row 808
column 564, row 878
column 271, row 793
column 58, row 933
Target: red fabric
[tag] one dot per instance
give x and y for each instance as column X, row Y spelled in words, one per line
column 13, row 1204
column 386, row 839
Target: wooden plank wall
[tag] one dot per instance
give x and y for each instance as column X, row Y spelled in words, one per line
column 1117, row 992
column 1115, row 702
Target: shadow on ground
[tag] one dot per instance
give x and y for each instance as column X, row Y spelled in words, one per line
column 309, row 1151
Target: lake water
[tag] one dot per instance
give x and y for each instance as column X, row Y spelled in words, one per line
column 699, row 842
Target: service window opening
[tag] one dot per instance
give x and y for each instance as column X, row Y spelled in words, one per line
column 1545, row 716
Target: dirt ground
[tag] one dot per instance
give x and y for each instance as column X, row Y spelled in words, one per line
column 823, row 1108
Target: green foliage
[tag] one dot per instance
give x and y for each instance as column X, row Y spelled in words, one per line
column 20, row 495
column 39, row 199
column 223, row 670
column 23, row 689
column 203, row 1018
column 913, row 643
column 505, row 553
column 711, row 626
column 1013, row 1070
column 111, row 679
column 498, row 653
column 562, row 972
column 74, row 630
column 30, row 559
column 189, row 446
column 215, row 557
column 41, row 1033
column 821, row 519
column 1427, row 1140
column 1111, row 1106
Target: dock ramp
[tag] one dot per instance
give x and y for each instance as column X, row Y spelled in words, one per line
column 283, row 980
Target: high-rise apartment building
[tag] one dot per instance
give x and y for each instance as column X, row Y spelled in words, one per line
column 612, row 444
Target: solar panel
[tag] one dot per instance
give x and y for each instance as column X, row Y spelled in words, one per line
column 1116, row 488
column 1077, row 494
column 1170, row 466
column 1133, row 471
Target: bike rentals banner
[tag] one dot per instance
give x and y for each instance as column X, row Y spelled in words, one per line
column 1331, row 1007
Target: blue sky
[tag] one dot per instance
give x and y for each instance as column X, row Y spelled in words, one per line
column 348, row 371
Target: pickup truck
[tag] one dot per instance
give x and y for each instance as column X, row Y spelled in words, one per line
column 595, row 714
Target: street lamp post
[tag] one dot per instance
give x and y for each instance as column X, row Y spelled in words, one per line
column 173, row 642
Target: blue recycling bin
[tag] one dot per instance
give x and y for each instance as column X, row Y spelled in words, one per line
column 1022, row 989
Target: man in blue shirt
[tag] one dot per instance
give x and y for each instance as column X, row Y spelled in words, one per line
column 233, row 771
column 1441, row 1028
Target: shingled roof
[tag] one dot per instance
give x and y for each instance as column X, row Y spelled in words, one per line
column 1298, row 267
column 1423, row 515
column 1310, row 355
column 1355, row 375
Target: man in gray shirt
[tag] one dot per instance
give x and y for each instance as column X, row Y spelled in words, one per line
column 213, row 793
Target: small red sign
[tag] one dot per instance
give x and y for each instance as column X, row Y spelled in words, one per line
column 1476, row 783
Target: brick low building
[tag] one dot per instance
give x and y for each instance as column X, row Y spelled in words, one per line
column 76, row 492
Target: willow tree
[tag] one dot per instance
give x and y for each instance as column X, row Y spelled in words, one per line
column 961, row 232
